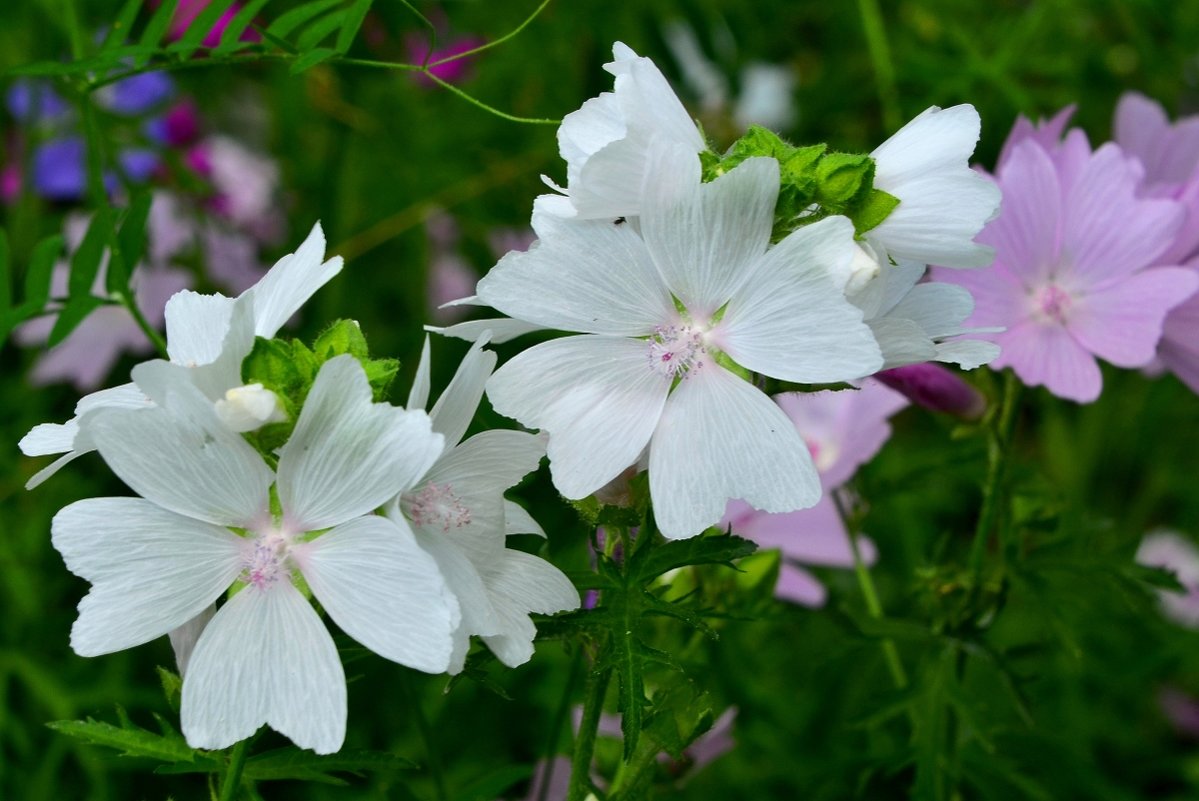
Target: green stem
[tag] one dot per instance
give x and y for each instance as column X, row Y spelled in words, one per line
column 130, row 304
column 494, row 42
column 560, row 716
column 237, row 763
column 870, row 595
column 426, row 735
column 880, row 56
column 628, row 776
column 998, row 450
column 593, row 706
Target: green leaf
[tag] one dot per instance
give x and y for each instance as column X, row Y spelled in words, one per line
column 280, row 367
column 343, row 336
column 172, row 686
column 1157, row 577
column 380, row 373
column 5, row 272
column 703, row 550
column 493, row 784
column 292, row 763
column 876, row 207
column 293, row 19
column 843, row 178
column 122, row 24
column 85, row 262
column 231, row 36
column 311, row 59
column 353, row 21
column 131, row 243
column 155, row 29
column 74, row 313
column 316, row 33
column 129, row 739
column 41, row 271
column 199, row 28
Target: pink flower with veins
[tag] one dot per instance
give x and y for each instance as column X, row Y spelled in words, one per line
column 1074, row 276
column 843, row 430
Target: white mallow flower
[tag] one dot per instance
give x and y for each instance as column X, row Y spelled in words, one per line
column 660, row 312
column 606, row 142
column 211, row 334
column 206, row 522
column 943, row 204
column 460, row 516
column 915, row 321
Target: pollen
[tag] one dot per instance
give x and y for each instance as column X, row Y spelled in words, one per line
column 676, row 350
column 266, row 560
column 436, row 506
column 1052, row 303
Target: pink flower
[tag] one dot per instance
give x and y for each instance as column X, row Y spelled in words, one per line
column 455, row 71
column 843, row 430
column 1070, row 281
column 188, row 10
column 1173, row 552
column 450, row 275
column 937, row 388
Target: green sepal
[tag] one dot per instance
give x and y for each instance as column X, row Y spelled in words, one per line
column 345, row 336
column 874, row 208
column 843, row 180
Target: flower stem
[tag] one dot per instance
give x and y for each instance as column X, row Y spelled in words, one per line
column 884, row 68
column 870, row 595
column 237, row 763
column 130, row 304
column 998, row 449
column 593, row 706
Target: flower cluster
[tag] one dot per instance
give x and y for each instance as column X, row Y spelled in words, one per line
column 267, row 492
column 683, row 274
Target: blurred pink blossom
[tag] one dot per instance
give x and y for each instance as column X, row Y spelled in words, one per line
column 450, row 275
column 843, row 431
column 456, row 71
column 186, row 13
column 1179, row 555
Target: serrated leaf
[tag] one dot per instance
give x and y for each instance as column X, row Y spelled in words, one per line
column 318, row 30
column 380, row 373
column 355, row 16
column 311, row 59
column 74, row 313
column 122, row 24
column 129, row 740
column 155, row 29
column 702, row 550
column 172, row 686
column 296, row 17
column 293, row 763
column 231, row 36
column 200, row 26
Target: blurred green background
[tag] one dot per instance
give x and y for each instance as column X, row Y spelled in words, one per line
column 1068, row 709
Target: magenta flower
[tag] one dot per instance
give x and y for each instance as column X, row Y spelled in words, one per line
column 937, row 388
column 455, row 71
column 843, row 430
column 188, row 10
column 1070, row 281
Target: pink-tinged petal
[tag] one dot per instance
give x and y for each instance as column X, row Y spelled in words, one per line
column 1179, row 347
column 721, row 438
column 265, row 658
column 592, row 276
column 349, row 455
column 1047, row 355
column 1071, row 159
column 799, row 587
column 151, row 570
column 1000, row 297
column 1141, row 127
column 599, row 399
column 383, row 590
column 1186, row 243
column 791, row 320
column 1122, row 322
column 1025, row 235
column 706, row 239
column 1108, row 232
column 816, row 535
column 180, row 455
column 1045, row 133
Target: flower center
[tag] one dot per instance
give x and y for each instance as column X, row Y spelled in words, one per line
column 266, row 559
column 436, row 506
column 675, row 350
column 1051, row 303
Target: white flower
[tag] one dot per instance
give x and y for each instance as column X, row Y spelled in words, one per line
column 919, row 322
column 460, row 516
column 211, row 334
column 205, row 521
column 943, row 203
column 606, row 142
column 657, row 311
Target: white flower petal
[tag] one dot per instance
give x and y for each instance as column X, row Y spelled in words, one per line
column 179, row 455
column 592, row 276
column 902, row 342
column 520, row 583
column 418, row 396
column 347, row 454
column 937, row 308
column 598, row 397
column 265, row 658
column 383, row 590
column 151, row 570
column 500, row 329
column 705, row 238
column 456, row 406
column 517, row 520
column 791, row 321
column 720, row 439
column 196, row 326
column 463, row 580
column 291, row 282
column 967, row 353
column 46, row 438
column 184, row 638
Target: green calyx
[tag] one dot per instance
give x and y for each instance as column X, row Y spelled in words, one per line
column 289, row 367
column 814, row 182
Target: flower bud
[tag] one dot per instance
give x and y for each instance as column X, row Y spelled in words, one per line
column 934, row 387
column 249, row 408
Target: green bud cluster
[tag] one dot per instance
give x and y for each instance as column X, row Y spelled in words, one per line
column 815, row 182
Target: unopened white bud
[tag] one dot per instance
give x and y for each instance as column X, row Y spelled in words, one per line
column 863, row 268
column 249, row 408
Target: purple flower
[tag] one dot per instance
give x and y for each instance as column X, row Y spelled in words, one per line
column 455, row 71
column 58, row 168
column 35, row 101
column 937, row 388
column 138, row 94
column 843, row 430
column 1069, row 282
